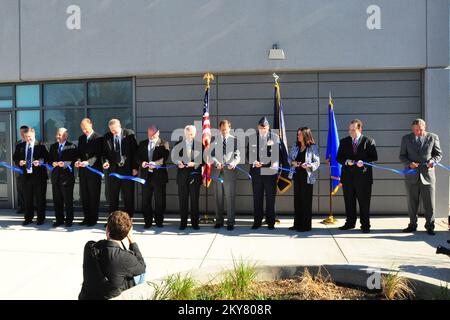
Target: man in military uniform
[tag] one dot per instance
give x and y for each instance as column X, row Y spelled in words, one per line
column 263, row 156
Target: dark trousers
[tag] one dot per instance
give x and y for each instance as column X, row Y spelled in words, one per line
column 264, row 184
column 90, row 188
column 35, row 190
column 115, row 186
column 20, row 181
column 303, row 195
column 158, row 191
column 63, row 199
column 188, row 190
column 361, row 191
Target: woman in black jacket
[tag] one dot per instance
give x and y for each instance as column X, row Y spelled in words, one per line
column 108, row 267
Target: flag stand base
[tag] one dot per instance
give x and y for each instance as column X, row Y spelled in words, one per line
column 206, row 219
column 330, row 220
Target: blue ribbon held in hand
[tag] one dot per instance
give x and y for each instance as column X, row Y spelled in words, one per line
column 101, row 174
column 437, row 165
column 131, row 178
column 209, row 177
column 161, row 167
column 240, row 169
column 284, row 169
column 442, row 166
column 20, row 171
column 406, row 171
column 49, row 167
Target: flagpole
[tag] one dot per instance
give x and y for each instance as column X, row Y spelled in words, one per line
column 331, row 219
column 276, row 77
column 206, row 219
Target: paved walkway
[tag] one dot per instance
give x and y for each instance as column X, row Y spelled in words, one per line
column 46, row 263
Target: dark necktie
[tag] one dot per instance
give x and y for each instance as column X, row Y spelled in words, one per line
column 190, row 151
column 117, row 148
column 29, row 159
column 224, row 144
column 355, row 146
column 419, row 143
column 150, row 151
column 60, row 149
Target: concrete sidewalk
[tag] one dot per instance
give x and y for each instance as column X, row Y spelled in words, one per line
column 46, row 263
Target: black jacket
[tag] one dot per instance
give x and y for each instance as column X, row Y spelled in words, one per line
column 160, row 156
column 186, row 174
column 91, row 152
column 40, row 153
column 366, row 152
column 69, row 155
column 108, row 269
column 129, row 148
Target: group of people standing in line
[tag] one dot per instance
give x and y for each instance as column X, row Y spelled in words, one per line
column 118, row 152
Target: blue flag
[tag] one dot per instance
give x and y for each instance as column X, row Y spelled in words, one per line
column 332, row 149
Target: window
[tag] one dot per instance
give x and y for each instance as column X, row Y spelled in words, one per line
column 31, row 119
column 100, row 118
column 63, row 94
column 65, row 104
column 6, row 103
column 110, row 93
column 62, row 118
column 6, row 96
column 6, row 92
column 27, row 96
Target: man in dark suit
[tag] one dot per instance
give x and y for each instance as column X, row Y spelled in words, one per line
column 63, row 155
column 357, row 178
column 263, row 152
column 188, row 155
column 90, row 146
column 29, row 155
column 152, row 152
column 119, row 151
column 420, row 150
column 20, row 178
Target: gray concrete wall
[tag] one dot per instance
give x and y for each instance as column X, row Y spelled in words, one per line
column 436, row 92
column 162, row 37
column 9, row 41
column 387, row 102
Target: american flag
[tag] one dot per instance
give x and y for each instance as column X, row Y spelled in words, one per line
column 206, row 138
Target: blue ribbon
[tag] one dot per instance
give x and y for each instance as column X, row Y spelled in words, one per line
column 20, row 171
column 131, row 178
column 162, row 167
column 49, row 167
column 101, row 174
column 407, row 171
column 210, row 177
column 443, row 167
column 70, row 168
column 284, row 169
column 242, row 170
